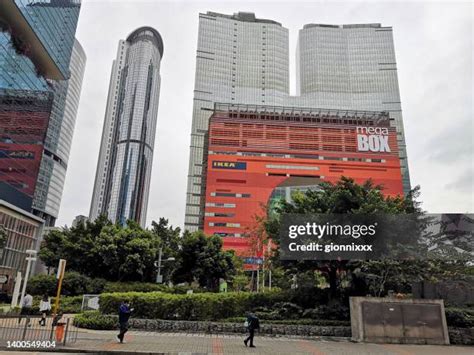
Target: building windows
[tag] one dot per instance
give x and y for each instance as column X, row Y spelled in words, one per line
column 291, row 167
column 224, row 224
column 219, row 214
column 229, row 194
column 224, row 205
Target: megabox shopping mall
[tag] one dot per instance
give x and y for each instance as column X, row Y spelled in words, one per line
column 258, row 155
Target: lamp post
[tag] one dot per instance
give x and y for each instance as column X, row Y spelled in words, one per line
column 30, row 258
column 159, row 277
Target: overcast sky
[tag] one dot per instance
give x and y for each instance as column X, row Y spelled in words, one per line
column 434, row 47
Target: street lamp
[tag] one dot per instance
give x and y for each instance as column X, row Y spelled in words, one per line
column 30, row 258
column 159, row 277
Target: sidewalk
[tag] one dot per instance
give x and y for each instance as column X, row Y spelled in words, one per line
column 101, row 342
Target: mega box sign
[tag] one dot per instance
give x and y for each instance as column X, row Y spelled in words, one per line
column 373, row 139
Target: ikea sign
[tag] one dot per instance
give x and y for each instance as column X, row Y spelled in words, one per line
column 373, row 139
column 229, row 165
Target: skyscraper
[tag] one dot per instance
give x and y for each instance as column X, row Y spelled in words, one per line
column 58, row 140
column 244, row 60
column 351, row 67
column 240, row 59
column 123, row 173
column 36, row 41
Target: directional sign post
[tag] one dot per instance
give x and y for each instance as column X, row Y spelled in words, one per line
column 59, row 276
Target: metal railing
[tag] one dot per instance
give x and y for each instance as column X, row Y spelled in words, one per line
column 30, row 328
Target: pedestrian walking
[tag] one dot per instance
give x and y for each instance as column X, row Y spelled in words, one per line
column 26, row 307
column 44, row 308
column 252, row 323
column 124, row 315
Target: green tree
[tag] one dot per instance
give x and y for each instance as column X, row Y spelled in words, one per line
column 106, row 250
column 202, row 259
column 347, row 197
column 170, row 243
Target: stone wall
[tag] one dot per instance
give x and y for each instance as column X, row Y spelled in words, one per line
column 232, row 328
column 459, row 336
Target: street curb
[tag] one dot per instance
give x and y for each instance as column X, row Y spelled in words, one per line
column 97, row 352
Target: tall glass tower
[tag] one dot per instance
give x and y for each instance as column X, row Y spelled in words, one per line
column 240, row 59
column 122, row 180
column 244, row 60
column 36, row 43
column 58, row 140
column 352, row 67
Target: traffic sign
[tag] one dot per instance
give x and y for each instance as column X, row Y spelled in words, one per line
column 3, row 279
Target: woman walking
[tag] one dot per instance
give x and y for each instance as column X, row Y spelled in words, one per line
column 45, row 307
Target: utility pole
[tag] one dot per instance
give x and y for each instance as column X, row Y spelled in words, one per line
column 159, row 277
column 30, row 258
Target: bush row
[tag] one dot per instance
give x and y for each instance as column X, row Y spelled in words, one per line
column 95, row 320
column 75, row 284
column 200, row 306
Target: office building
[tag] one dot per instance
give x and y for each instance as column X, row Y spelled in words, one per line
column 23, row 232
column 351, row 67
column 58, row 140
column 244, row 60
column 239, row 59
column 259, row 154
column 36, row 42
column 78, row 220
column 123, row 173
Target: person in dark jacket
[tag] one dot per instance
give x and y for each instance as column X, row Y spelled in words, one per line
column 124, row 315
column 252, row 324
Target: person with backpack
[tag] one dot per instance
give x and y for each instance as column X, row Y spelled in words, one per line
column 124, row 315
column 252, row 323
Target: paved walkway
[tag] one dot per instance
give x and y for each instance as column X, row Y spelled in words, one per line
column 181, row 343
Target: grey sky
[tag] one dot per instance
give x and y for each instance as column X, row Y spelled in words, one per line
column 433, row 43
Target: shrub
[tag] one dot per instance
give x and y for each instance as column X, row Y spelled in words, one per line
column 335, row 312
column 95, row 320
column 308, row 297
column 42, row 284
column 200, row 306
column 70, row 304
column 74, row 284
column 111, row 287
column 460, row 317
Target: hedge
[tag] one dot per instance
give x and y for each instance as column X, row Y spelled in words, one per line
column 200, row 306
column 75, row 284
column 95, row 320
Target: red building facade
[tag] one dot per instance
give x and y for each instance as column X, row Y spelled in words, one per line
column 257, row 154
